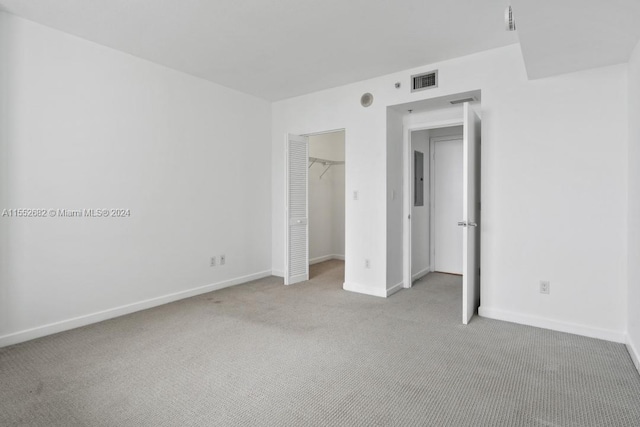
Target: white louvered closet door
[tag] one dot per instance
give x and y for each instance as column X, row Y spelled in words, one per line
column 297, row 239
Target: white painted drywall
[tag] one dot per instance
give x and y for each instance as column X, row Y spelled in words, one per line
column 326, row 198
column 633, row 297
column 85, row 126
column 554, row 185
column 447, row 131
column 338, row 228
column 420, row 225
column 425, row 117
column 395, row 201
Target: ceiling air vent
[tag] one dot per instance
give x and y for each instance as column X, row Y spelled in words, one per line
column 424, row 81
column 462, row 101
column 509, row 20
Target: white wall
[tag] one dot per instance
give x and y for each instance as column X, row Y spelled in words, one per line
column 394, row 206
column 420, row 215
column 633, row 296
column 84, row 126
column 554, row 183
column 338, row 225
column 448, row 131
column 326, row 198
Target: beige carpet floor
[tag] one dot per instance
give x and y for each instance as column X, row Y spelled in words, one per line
column 312, row 354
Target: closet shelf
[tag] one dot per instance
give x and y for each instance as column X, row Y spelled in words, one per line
column 324, row 162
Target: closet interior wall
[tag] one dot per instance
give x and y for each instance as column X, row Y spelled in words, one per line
column 326, row 197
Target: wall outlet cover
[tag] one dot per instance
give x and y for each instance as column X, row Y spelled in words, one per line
column 545, row 287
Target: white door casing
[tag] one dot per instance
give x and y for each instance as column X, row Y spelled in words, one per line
column 297, row 208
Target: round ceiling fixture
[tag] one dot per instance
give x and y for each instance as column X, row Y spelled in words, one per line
column 366, row 100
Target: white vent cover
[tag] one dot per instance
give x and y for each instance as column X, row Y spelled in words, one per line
column 462, row 101
column 424, row 81
column 509, row 21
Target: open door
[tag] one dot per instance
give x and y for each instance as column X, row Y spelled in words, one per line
column 297, row 228
column 471, row 214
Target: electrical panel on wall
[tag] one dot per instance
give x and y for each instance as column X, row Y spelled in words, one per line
column 418, row 178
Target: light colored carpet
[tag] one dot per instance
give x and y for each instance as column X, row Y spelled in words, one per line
column 313, row 354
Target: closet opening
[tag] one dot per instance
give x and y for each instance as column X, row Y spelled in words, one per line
column 315, row 207
column 326, row 205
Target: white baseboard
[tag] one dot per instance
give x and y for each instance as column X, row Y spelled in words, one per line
column 541, row 322
column 634, row 353
column 354, row 287
column 87, row 319
column 395, row 288
column 325, row 258
column 280, row 273
column 420, row 274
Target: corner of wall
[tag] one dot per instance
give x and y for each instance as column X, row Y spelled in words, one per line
column 99, row 316
column 4, row 163
column 57, row 77
column 633, row 214
column 554, row 325
column 365, row 290
column 634, row 352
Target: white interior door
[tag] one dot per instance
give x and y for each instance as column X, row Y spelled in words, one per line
column 447, row 205
column 297, row 228
column 471, row 214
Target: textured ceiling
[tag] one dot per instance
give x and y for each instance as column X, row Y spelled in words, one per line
column 558, row 37
column 277, row 49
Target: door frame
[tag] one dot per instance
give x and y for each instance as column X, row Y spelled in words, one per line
column 432, row 192
column 407, row 181
column 286, row 198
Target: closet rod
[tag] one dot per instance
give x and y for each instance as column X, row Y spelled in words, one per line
column 324, row 162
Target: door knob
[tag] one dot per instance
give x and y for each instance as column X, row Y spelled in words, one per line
column 465, row 224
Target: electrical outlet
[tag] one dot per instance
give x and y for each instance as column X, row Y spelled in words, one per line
column 213, row 261
column 223, row 259
column 367, row 263
column 355, row 195
column 545, row 287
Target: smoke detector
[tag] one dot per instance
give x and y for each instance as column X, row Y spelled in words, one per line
column 366, row 100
